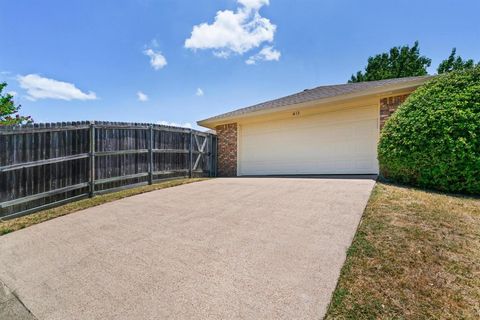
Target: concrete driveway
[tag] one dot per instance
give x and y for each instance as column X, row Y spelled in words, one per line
column 239, row 248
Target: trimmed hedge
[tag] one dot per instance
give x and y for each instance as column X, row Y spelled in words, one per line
column 433, row 139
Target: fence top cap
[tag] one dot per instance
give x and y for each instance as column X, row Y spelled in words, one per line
column 52, row 125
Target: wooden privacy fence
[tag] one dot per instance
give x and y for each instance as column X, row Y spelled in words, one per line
column 44, row 165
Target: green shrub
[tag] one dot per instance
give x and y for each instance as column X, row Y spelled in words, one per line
column 433, row 139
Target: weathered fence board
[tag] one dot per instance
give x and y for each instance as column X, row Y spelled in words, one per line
column 44, row 165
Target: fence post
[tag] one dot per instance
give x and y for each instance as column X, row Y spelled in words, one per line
column 210, row 155
column 150, row 156
column 92, row 159
column 190, row 161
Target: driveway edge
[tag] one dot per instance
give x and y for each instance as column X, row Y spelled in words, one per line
column 11, row 307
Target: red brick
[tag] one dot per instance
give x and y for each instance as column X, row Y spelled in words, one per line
column 388, row 106
column 227, row 146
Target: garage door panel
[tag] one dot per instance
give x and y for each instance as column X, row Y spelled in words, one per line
column 320, row 120
column 342, row 142
column 325, row 166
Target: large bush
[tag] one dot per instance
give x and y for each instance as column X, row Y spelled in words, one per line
column 433, row 139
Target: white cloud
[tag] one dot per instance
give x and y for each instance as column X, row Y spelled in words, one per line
column 234, row 32
column 254, row 4
column 266, row 54
column 174, row 124
column 221, row 54
column 39, row 87
column 199, row 92
column 157, row 60
column 142, row 96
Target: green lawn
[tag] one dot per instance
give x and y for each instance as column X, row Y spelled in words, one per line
column 22, row 222
column 416, row 255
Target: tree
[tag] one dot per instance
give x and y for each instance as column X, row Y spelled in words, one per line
column 453, row 63
column 8, row 111
column 399, row 62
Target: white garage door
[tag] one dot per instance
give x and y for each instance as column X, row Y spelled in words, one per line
column 339, row 142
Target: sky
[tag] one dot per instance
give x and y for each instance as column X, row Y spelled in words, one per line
column 179, row 61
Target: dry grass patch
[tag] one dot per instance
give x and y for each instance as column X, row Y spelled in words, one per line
column 22, row 222
column 416, row 255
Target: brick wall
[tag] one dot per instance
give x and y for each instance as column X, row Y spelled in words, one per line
column 227, row 150
column 388, row 107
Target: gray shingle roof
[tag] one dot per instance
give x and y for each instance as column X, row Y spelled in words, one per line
column 317, row 93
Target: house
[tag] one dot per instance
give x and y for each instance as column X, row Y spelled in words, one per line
column 326, row 130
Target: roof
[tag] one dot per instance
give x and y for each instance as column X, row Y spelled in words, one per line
column 315, row 94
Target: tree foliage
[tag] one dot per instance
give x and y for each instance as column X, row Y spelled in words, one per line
column 8, row 111
column 454, row 63
column 399, row 62
column 433, row 139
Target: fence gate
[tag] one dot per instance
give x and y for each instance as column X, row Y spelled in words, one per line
column 44, row 165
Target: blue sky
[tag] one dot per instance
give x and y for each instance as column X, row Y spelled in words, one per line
column 90, row 59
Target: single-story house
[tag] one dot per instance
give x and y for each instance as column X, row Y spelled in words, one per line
column 325, row 130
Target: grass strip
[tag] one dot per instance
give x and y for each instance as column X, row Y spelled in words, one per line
column 416, row 255
column 8, row 226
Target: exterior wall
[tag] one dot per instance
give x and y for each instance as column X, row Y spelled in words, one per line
column 227, row 149
column 388, row 106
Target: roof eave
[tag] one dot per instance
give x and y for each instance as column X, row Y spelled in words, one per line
column 212, row 123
